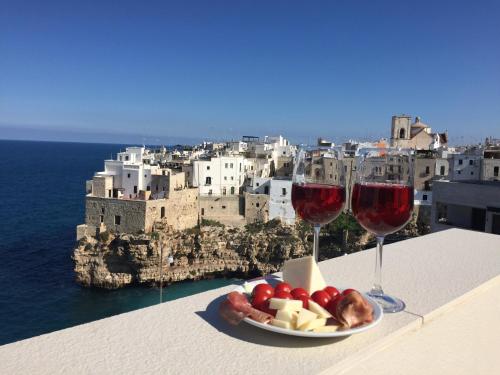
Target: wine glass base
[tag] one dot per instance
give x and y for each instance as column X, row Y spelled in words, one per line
column 389, row 304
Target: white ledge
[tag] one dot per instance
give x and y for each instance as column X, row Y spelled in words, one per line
column 432, row 274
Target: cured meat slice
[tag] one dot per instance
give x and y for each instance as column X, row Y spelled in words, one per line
column 236, row 307
column 354, row 310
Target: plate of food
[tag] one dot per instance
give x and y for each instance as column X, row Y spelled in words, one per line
column 301, row 304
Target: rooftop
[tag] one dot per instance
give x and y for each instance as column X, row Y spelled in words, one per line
column 449, row 280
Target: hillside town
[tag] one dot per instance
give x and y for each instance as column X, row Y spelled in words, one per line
column 250, row 180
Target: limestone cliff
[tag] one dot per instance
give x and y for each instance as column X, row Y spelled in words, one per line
column 113, row 261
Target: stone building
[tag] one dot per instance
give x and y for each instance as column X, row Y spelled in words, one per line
column 490, row 166
column 424, row 169
column 179, row 210
column 417, row 135
column 256, row 208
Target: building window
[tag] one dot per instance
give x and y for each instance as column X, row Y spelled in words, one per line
column 345, row 168
column 471, row 162
column 208, row 167
column 135, row 189
column 156, row 187
column 128, row 175
column 126, row 157
column 109, row 193
column 232, row 190
column 223, row 207
column 257, row 204
column 225, row 178
column 117, row 219
column 283, row 191
column 225, row 165
column 232, row 178
column 231, row 165
column 424, row 197
column 266, row 189
column 472, row 173
column 401, row 133
column 223, row 191
column 202, row 211
column 427, row 170
column 459, row 172
column 145, row 176
column 240, row 167
column 102, row 210
column 331, row 176
column 163, row 173
column 460, row 161
column 257, row 184
column 441, row 172
column 148, row 188
column 162, row 212
column 208, row 181
column 495, row 172
column 101, row 218
column 210, row 192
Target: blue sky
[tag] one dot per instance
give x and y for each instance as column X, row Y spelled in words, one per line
column 164, row 71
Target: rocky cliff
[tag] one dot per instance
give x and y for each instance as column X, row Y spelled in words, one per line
column 116, row 260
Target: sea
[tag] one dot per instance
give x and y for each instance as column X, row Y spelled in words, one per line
column 43, row 200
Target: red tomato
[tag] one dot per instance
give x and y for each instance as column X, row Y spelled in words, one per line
column 299, row 292
column 348, row 291
column 332, row 305
column 284, row 287
column 262, row 304
column 259, row 299
column 305, row 301
column 321, row 297
column 332, row 291
column 265, row 289
column 282, row 294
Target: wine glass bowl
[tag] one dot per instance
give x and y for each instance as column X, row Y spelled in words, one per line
column 318, row 189
column 382, row 203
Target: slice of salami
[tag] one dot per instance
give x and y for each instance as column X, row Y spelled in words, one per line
column 236, row 308
column 354, row 310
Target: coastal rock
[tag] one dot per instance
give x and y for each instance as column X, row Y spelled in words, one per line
column 118, row 260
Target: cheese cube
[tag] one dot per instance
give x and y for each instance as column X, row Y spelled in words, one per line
column 287, row 316
column 304, row 273
column 317, row 309
column 248, row 287
column 326, row 329
column 281, row 324
column 313, row 324
column 304, row 317
column 285, row 304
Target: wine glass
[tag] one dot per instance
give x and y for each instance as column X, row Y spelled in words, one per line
column 382, row 203
column 318, row 188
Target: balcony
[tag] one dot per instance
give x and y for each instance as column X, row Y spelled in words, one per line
column 449, row 280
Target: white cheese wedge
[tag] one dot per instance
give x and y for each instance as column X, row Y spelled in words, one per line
column 316, row 323
column 304, row 317
column 326, row 329
column 281, row 324
column 304, row 273
column 248, row 287
column 317, row 309
column 285, row 304
column 287, row 316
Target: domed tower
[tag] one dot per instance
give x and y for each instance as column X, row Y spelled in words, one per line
column 400, row 130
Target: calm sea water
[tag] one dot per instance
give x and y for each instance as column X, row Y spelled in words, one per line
column 43, row 189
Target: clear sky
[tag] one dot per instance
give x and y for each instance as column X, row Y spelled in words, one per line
column 134, row 71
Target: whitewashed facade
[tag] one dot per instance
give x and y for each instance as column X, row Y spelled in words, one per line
column 223, row 175
column 280, row 197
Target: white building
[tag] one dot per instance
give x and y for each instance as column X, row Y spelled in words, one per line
column 223, row 175
column 280, row 197
column 464, row 167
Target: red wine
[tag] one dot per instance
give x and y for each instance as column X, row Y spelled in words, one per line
column 382, row 208
column 316, row 203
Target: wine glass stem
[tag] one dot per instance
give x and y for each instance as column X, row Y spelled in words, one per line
column 317, row 228
column 377, row 284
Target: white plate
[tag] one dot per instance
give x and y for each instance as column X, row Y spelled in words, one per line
column 377, row 317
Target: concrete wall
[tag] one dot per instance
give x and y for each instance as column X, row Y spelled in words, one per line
column 459, row 199
column 464, row 167
column 256, row 208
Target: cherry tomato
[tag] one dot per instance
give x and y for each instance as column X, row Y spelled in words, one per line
column 285, row 287
column 263, row 289
column 299, row 292
column 348, row 291
column 305, row 301
column 332, row 305
column 259, row 299
column 332, row 291
column 321, row 297
column 282, row 294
